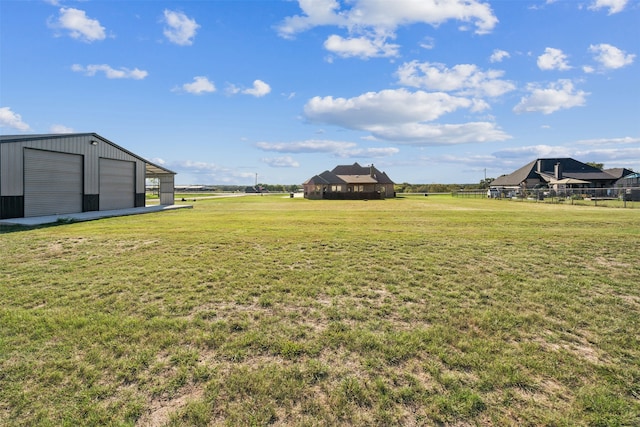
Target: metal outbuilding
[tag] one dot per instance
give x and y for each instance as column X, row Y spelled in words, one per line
column 71, row 173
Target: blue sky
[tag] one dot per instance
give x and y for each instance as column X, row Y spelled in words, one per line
column 430, row 91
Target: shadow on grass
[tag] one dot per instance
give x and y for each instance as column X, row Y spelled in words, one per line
column 14, row 228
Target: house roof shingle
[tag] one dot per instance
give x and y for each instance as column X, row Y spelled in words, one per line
column 544, row 169
column 618, row 172
column 350, row 174
column 325, row 178
column 360, row 171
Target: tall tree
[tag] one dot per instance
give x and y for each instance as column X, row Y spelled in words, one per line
column 596, row 165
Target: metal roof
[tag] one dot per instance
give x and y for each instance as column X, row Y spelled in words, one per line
column 150, row 167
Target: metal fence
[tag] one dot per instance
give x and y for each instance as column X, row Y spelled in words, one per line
column 626, row 197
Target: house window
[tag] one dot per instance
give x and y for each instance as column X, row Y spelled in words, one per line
column 336, row 188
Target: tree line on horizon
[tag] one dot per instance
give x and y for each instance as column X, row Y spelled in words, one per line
column 404, row 187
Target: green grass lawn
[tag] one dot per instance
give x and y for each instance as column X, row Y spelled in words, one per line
column 272, row 310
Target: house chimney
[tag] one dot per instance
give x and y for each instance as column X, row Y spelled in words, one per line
column 371, row 171
column 557, row 171
column 539, row 166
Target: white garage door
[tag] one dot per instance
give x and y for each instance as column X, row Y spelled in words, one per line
column 52, row 183
column 117, row 184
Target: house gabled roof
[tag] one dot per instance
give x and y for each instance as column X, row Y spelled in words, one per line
column 515, row 178
column 383, row 178
column 544, row 169
column 350, row 174
column 325, row 178
column 618, row 173
column 358, row 179
column 355, row 170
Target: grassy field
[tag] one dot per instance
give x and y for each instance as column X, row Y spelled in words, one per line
column 271, row 310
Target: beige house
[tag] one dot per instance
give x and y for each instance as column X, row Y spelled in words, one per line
column 349, row 182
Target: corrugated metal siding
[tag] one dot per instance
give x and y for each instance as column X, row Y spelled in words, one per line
column 117, row 184
column 141, row 174
column 11, row 161
column 11, row 170
column 52, row 183
column 167, row 195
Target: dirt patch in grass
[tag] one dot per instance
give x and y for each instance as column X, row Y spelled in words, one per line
column 577, row 346
column 161, row 409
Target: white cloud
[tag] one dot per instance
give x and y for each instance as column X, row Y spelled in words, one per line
column 179, row 29
column 389, row 15
column 620, row 155
column 612, row 157
column 533, row 152
column 61, row 129
column 472, row 162
column 421, row 134
column 12, row 120
column 498, row 55
column 387, row 107
column 371, row 22
column 199, row 172
column 199, row 86
column 610, row 141
column 361, row 47
column 232, row 89
column 198, row 166
column 553, row 59
column 307, row 146
column 614, row 6
column 315, row 13
column 400, row 116
column 337, row 148
column 610, row 56
column 258, row 90
column 378, row 152
column 558, row 95
column 109, row 72
column 208, row 172
column 281, row 162
column 428, row 43
column 464, row 79
column 78, row 25
column 158, row 161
